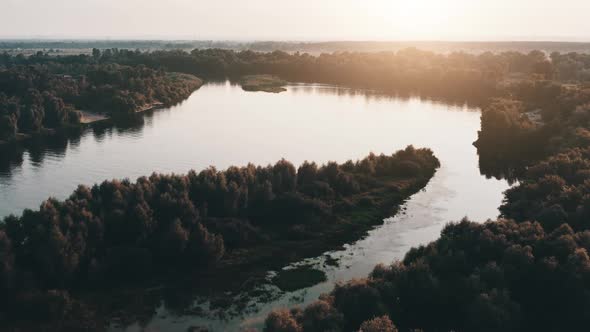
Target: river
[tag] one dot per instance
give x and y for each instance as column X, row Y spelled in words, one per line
column 222, row 125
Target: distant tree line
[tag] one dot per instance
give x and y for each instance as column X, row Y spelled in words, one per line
column 121, row 231
column 310, row 47
column 455, row 77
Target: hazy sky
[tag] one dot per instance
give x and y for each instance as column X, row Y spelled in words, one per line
column 298, row 19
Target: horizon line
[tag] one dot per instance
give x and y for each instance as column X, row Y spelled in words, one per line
column 286, row 40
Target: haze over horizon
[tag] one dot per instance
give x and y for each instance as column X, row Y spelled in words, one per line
column 306, row 20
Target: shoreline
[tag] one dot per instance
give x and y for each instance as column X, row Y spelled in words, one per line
column 189, row 83
column 88, row 117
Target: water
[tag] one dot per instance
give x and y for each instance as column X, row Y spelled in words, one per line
column 221, row 125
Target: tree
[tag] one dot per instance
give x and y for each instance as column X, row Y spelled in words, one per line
column 96, row 53
column 378, row 324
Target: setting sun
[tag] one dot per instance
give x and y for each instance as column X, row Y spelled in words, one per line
column 419, row 18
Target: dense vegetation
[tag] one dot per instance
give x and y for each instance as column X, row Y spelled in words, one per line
column 407, row 71
column 530, row 270
column 457, row 76
column 497, row 276
column 43, row 93
column 119, row 232
column 554, row 147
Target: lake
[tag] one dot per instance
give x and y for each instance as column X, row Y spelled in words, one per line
column 222, row 125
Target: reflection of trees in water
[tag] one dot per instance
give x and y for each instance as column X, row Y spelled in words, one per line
column 57, row 144
column 124, row 126
column 370, row 94
column 509, row 169
column 12, row 155
column 377, row 95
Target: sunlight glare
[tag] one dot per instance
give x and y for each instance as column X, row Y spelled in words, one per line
column 418, row 18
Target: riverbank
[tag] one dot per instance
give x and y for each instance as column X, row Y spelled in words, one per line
column 87, row 117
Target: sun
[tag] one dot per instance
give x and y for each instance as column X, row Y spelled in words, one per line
column 416, row 18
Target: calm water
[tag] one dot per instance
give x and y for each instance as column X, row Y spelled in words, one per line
column 221, row 125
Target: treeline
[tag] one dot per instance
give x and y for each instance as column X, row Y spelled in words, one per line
column 44, row 94
column 393, row 46
column 310, row 47
column 454, row 77
column 571, row 66
column 101, row 44
column 119, row 231
column 497, row 276
column 458, row 76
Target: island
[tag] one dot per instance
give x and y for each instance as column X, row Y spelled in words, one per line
column 265, row 83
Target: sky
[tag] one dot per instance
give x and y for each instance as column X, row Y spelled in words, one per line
column 564, row 20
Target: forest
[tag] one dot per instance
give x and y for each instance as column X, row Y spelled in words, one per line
column 527, row 271
column 498, row 276
column 457, row 76
column 43, row 94
column 121, row 232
